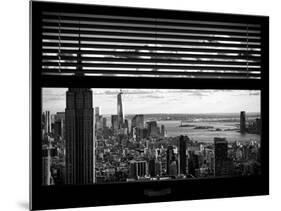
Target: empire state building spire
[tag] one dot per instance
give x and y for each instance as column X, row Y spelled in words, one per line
column 120, row 110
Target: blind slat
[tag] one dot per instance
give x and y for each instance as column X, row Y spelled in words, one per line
column 149, row 60
column 151, row 41
column 150, row 21
column 156, row 73
column 145, row 48
column 210, row 37
column 164, row 54
column 148, row 29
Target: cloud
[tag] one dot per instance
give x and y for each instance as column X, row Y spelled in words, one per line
column 255, row 93
column 154, row 96
column 160, row 100
column 53, row 93
column 125, row 91
column 246, row 92
column 154, row 93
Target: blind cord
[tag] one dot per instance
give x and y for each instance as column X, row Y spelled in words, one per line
column 59, row 44
column 155, row 63
column 247, row 54
column 79, row 68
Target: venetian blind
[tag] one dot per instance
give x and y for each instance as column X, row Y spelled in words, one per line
column 111, row 45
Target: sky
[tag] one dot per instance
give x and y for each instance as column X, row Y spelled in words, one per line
column 148, row 101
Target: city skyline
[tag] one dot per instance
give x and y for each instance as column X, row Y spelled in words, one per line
column 81, row 148
column 152, row 101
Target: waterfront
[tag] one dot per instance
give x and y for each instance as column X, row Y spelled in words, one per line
column 228, row 130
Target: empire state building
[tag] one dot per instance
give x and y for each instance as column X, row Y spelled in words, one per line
column 79, row 136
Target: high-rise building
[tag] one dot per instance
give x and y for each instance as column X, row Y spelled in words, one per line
column 43, row 120
column 258, row 125
column 60, row 116
column 48, row 122
column 53, row 118
column 243, row 122
column 152, row 128
column 170, row 157
column 97, row 113
column 151, row 167
column 137, row 169
column 182, row 154
column 220, row 156
column 46, row 167
column 114, row 123
column 126, row 126
column 138, row 121
column 58, row 174
column 120, row 110
column 193, row 162
column 58, row 128
column 158, row 168
column 137, row 126
column 173, row 168
column 79, row 136
column 97, row 118
column 99, row 124
column 139, row 134
column 60, row 123
column 163, row 131
column 103, row 122
column 158, row 131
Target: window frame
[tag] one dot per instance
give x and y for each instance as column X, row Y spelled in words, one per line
column 43, row 197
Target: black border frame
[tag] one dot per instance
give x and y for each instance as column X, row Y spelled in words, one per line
column 51, row 197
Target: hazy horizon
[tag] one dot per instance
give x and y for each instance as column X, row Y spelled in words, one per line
column 161, row 101
column 109, row 114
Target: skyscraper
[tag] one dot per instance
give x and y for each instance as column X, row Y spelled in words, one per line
column 120, row 110
column 46, row 167
column 138, row 121
column 220, row 156
column 126, row 126
column 58, row 128
column 60, row 116
column 60, row 120
column 258, row 123
column 151, row 167
column 79, row 136
column 173, row 168
column 137, row 169
column 103, row 122
column 97, row 114
column 242, row 122
column 163, row 131
column 137, row 126
column 182, row 154
column 48, row 122
column 97, row 118
column 193, row 162
column 152, row 128
column 114, row 123
column 158, row 168
column 169, row 159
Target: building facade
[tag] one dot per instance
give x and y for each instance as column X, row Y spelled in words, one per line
column 120, row 117
column 79, row 136
column 243, row 122
column 182, row 154
column 221, row 160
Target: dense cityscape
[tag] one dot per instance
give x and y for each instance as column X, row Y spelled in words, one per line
column 81, row 146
